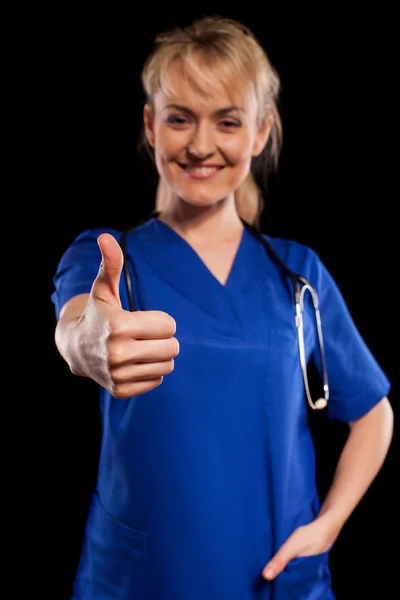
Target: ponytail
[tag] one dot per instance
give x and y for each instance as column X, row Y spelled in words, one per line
column 249, row 200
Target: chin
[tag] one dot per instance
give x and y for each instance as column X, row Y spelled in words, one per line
column 200, row 200
column 199, row 203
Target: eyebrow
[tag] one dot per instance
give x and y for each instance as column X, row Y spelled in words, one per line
column 218, row 113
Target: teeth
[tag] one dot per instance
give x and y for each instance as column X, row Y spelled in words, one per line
column 202, row 170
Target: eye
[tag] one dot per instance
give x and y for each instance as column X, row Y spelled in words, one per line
column 230, row 124
column 177, row 120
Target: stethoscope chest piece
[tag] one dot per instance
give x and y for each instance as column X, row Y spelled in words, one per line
column 320, row 404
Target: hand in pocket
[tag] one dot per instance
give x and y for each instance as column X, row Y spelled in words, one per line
column 308, row 540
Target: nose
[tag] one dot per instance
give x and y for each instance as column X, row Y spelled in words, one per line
column 201, row 144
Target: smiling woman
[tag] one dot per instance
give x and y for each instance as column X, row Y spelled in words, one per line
column 206, row 484
column 212, row 100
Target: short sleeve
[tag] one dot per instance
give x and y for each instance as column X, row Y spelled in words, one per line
column 78, row 267
column 356, row 380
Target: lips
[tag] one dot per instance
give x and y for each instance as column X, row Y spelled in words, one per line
column 201, row 171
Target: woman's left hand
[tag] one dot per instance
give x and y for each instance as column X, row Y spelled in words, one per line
column 307, row 540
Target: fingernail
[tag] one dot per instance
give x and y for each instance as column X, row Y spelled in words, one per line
column 268, row 573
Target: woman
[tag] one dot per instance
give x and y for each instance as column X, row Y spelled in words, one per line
column 206, row 481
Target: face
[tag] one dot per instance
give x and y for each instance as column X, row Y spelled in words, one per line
column 203, row 140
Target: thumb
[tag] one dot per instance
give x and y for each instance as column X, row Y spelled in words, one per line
column 277, row 563
column 106, row 285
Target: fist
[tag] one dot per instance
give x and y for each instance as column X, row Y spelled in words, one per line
column 126, row 352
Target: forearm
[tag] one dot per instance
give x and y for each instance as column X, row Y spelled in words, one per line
column 360, row 461
column 66, row 334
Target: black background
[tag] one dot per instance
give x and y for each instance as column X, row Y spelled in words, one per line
column 334, row 191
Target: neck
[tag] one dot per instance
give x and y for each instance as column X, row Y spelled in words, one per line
column 203, row 223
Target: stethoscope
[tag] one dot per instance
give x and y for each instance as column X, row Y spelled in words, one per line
column 300, row 286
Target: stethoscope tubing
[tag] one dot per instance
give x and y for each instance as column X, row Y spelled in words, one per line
column 300, row 286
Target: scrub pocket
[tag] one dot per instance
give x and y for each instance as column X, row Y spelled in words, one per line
column 113, row 563
column 306, row 578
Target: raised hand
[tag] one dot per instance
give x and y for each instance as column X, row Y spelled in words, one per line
column 126, row 352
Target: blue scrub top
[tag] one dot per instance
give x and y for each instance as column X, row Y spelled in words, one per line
column 201, row 480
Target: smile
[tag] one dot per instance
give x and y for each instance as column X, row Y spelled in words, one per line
column 201, row 171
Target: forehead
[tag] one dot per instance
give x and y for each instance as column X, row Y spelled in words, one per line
column 203, row 87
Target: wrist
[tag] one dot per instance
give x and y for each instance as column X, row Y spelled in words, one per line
column 331, row 522
column 69, row 344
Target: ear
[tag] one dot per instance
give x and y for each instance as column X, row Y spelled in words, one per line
column 262, row 135
column 149, row 124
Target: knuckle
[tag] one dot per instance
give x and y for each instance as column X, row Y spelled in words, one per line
column 117, row 379
column 117, row 391
column 115, row 354
column 117, row 326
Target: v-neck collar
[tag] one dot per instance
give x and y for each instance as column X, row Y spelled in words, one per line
column 176, row 261
column 172, row 232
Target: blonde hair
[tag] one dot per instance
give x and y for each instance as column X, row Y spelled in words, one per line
column 233, row 48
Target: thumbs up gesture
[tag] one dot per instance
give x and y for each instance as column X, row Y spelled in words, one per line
column 126, row 352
